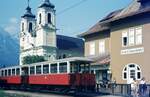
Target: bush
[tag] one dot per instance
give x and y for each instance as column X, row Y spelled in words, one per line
column 33, row 59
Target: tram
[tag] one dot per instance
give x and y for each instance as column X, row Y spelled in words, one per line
column 59, row 75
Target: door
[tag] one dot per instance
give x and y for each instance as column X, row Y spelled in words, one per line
column 25, row 75
column 131, row 75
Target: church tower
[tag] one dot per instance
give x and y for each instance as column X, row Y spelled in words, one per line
column 46, row 30
column 38, row 34
column 27, row 33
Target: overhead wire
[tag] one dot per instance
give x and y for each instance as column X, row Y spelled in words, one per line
column 71, row 7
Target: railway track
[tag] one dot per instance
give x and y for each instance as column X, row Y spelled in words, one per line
column 47, row 93
column 14, row 93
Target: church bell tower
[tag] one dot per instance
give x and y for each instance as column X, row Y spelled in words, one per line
column 38, row 34
column 27, row 33
column 46, row 30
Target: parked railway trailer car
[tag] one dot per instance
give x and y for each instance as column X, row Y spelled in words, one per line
column 60, row 75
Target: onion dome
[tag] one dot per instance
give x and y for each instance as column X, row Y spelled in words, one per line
column 28, row 12
column 46, row 3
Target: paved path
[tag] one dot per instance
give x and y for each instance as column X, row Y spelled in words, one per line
column 29, row 94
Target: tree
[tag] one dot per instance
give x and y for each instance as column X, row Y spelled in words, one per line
column 33, row 59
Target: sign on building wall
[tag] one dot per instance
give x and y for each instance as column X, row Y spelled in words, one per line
column 132, row 51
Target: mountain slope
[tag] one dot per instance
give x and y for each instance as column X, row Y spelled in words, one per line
column 9, row 49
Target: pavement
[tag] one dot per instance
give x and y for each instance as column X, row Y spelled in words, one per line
column 30, row 94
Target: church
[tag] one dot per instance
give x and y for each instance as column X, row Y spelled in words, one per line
column 38, row 36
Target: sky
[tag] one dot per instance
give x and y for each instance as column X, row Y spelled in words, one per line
column 70, row 22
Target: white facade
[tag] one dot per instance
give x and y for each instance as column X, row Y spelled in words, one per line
column 38, row 35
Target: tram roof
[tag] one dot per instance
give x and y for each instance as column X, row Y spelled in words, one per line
column 72, row 59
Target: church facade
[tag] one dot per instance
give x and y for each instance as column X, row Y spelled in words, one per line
column 38, row 35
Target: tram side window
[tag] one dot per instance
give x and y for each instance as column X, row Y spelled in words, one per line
column 32, row 70
column 17, row 71
column 53, row 68
column 38, row 69
column 9, row 72
column 13, row 71
column 63, row 67
column 5, row 72
column 45, row 69
column 2, row 73
column 74, row 68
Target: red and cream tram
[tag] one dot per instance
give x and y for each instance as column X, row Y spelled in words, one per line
column 63, row 74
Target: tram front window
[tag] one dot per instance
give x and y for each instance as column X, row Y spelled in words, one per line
column 85, row 68
column 74, row 68
column 80, row 68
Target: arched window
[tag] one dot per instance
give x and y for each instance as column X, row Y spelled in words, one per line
column 40, row 18
column 131, row 71
column 30, row 27
column 49, row 18
column 22, row 27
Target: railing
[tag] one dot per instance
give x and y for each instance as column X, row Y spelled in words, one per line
column 121, row 89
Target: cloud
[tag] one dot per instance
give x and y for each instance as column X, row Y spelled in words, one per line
column 12, row 27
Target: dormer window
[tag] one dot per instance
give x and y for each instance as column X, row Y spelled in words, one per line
column 49, row 18
column 40, row 18
column 30, row 27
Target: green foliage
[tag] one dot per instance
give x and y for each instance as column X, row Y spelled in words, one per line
column 33, row 59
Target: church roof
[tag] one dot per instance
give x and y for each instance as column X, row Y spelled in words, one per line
column 28, row 13
column 47, row 3
column 66, row 43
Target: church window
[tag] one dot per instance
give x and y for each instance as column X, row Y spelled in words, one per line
column 64, row 55
column 40, row 18
column 30, row 27
column 49, row 18
column 59, row 57
column 22, row 27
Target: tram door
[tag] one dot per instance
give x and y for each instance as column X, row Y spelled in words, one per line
column 25, row 75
